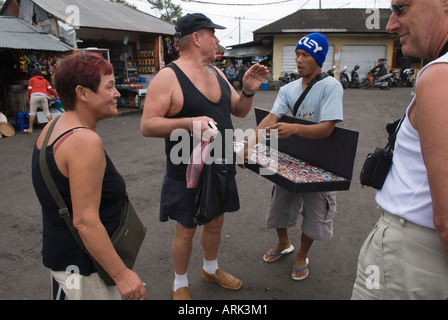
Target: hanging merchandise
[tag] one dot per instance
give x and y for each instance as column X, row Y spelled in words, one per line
column 171, row 53
column 28, row 62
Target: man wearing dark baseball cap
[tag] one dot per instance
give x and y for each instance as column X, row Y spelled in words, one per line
column 193, row 22
column 188, row 95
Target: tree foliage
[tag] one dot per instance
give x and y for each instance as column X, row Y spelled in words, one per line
column 124, row 3
column 169, row 11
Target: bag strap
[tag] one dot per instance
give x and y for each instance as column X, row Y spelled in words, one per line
column 391, row 144
column 319, row 77
column 64, row 213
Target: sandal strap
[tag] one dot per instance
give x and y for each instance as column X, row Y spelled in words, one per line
column 275, row 253
column 297, row 269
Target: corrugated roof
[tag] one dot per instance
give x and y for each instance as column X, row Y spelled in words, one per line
column 16, row 33
column 106, row 15
column 327, row 21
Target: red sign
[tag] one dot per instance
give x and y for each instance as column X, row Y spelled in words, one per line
column 219, row 55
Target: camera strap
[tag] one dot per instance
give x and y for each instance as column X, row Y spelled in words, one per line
column 319, row 77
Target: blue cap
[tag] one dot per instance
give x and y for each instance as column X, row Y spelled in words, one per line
column 316, row 44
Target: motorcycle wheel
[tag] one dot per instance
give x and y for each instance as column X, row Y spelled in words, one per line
column 365, row 84
column 389, row 85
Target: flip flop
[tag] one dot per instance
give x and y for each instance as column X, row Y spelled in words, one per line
column 278, row 255
column 304, row 268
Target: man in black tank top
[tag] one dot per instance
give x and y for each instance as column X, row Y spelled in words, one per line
column 189, row 94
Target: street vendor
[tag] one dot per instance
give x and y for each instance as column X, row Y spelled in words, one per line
column 322, row 106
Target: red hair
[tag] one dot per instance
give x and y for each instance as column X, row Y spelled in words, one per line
column 81, row 69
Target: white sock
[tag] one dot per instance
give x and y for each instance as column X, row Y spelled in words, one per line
column 180, row 281
column 210, row 266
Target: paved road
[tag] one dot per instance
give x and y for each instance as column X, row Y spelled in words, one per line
column 244, row 238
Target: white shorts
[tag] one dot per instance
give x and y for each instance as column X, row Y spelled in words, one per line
column 318, row 210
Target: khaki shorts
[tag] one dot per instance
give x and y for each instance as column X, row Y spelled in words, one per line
column 318, row 210
column 401, row 260
column 37, row 101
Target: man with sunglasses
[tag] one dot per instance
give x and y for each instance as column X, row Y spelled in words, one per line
column 406, row 254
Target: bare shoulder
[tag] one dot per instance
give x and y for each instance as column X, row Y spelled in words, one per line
column 83, row 144
column 434, row 74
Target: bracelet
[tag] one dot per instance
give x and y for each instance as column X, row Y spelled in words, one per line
column 247, row 95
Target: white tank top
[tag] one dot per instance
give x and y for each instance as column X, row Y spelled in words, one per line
column 406, row 190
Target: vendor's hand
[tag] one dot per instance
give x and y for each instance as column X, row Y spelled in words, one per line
column 254, row 77
column 130, row 286
column 281, row 130
column 201, row 129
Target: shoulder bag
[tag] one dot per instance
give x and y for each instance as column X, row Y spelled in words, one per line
column 129, row 235
column 378, row 163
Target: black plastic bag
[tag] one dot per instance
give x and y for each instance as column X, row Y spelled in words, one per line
column 212, row 193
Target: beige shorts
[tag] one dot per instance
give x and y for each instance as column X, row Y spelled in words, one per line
column 318, row 210
column 401, row 260
column 79, row 287
column 37, row 101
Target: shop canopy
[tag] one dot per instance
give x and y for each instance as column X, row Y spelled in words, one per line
column 18, row 34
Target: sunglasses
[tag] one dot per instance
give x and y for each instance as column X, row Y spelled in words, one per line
column 398, row 8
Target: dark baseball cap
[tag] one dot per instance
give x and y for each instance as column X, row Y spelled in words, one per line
column 193, row 22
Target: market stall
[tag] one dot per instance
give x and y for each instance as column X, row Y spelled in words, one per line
column 24, row 47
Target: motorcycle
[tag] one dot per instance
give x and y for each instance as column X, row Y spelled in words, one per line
column 331, row 72
column 384, row 82
column 288, row 77
column 407, row 80
column 355, row 82
column 343, row 78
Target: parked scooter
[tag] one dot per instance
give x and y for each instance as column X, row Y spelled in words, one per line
column 355, row 81
column 407, row 80
column 288, row 77
column 331, row 72
column 385, row 82
column 343, row 78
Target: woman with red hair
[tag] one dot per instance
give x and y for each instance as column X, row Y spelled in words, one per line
column 88, row 182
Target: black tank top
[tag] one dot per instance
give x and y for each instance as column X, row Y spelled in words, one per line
column 59, row 248
column 196, row 105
